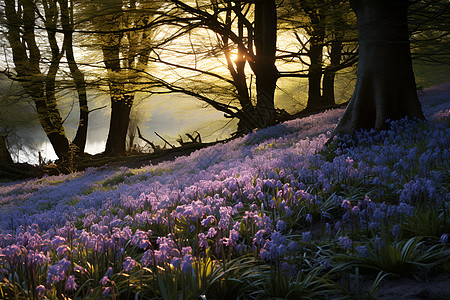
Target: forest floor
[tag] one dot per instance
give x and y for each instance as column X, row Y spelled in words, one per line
column 436, row 287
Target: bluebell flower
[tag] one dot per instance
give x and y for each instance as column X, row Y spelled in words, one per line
column 444, row 238
column 175, row 262
column 129, row 264
column 379, row 243
column 345, row 242
column 281, row 225
column 147, row 258
column 326, row 264
column 106, row 292
column 202, row 241
column 396, row 230
column 186, row 264
column 104, row 280
column 363, row 251
column 306, row 236
column 289, row 269
column 71, row 285
column 211, row 233
column 57, row 272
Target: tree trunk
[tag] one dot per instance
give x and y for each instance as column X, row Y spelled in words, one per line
column 385, row 87
column 121, row 104
column 78, row 77
column 330, row 73
column 315, row 54
column 27, row 57
column 265, row 71
column 5, row 156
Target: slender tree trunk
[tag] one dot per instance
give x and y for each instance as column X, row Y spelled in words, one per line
column 78, row 77
column 385, row 87
column 329, row 75
column 265, row 70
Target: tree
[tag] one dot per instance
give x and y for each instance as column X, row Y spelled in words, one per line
column 326, row 38
column 266, row 73
column 21, row 18
column 255, row 41
column 30, row 68
column 67, row 23
column 385, row 87
column 125, row 50
column 5, row 156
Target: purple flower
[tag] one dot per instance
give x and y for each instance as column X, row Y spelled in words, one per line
column 345, row 242
column 106, row 292
column 326, row 264
column 309, row 218
column 38, row 258
column 265, row 255
column 363, row 251
column 396, row 230
column 71, row 285
column 211, row 233
column 186, row 264
column 306, row 236
column 281, row 225
column 128, row 264
column 209, row 219
column 58, row 241
column 346, row 204
column 259, row 237
column 140, row 239
column 61, row 250
column 289, row 269
column 186, row 250
column 57, row 273
column 175, row 262
column 378, row 243
column 202, row 241
column 444, row 238
column 104, row 280
column 147, row 258
column 109, row 272
column 40, row 291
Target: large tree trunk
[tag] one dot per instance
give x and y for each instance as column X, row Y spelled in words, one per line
column 385, row 87
column 315, row 54
column 265, row 71
column 120, row 118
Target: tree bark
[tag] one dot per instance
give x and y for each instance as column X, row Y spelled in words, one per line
column 80, row 83
column 329, row 75
column 27, row 57
column 315, row 54
column 5, row 156
column 121, row 104
column 385, row 87
column 264, row 67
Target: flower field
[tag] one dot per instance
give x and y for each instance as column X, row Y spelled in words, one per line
column 273, row 214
